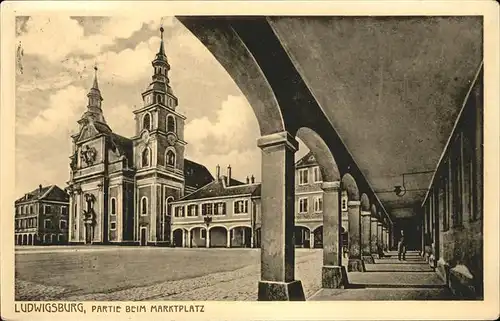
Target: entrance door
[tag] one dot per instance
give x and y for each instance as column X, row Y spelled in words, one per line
column 88, row 234
column 143, row 236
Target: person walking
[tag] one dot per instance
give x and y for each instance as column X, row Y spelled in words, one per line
column 402, row 247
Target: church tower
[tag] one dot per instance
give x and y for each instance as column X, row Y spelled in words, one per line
column 158, row 154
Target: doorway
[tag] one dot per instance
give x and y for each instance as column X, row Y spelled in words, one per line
column 143, row 236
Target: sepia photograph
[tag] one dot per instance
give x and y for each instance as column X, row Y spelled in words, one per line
column 163, row 157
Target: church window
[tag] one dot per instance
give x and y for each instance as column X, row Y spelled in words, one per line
column 146, row 122
column 146, row 156
column 144, row 205
column 159, row 99
column 113, row 206
column 170, row 124
column 170, row 158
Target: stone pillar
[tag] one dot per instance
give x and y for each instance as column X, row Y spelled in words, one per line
column 373, row 238
column 278, row 213
column 252, row 236
column 384, row 229
column 334, row 274
column 311, row 239
column 207, row 239
column 366, row 237
column 355, row 263
column 185, row 234
column 228, row 239
column 380, row 243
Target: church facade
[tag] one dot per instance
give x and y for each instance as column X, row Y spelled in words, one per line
column 121, row 188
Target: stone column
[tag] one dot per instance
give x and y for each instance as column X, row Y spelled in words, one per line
column 278, row 210
column 207, row 238
column 355, row 263
column 311, row 239
column 373, row 238
column 334, row 274
column 185, row 234
column 228, row 239
column 384, row 239
column 366, row 237
column 380, row 243
column 252, row 236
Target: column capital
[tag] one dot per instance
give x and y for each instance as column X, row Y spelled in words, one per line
column 365, row 213
column 374, row 219
column 281, row 138
column 353, row 203
column 330, row 186
column 379, row 224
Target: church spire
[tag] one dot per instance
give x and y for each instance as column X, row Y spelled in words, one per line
column 94, row 94
column 161, row 52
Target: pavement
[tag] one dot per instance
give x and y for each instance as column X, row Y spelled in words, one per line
column 390, row 279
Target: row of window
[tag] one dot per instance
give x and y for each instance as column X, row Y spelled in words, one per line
column 32, row 222
column 46, row 209
column 147, row 123
column 304, row 175
column 452, row 196
column 318, row 204
column 170, row 157
column 212, row 208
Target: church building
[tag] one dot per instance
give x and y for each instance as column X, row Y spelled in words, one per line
column 121, row 188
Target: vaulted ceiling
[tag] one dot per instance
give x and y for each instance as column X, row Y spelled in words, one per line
column 392, row 88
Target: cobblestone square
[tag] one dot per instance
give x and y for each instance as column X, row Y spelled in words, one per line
column 133, row 274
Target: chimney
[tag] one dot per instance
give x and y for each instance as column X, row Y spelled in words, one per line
column 253, row 179
column 217, row 171
column 40, row 188
column 248, row 180
column 228, row 175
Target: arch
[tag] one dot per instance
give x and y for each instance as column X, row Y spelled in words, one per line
column 144, row 205
column 170, row 157
column 240, row 236
column 146, row 121
column 322, row 154
column 365, row 202
column 146, row 157
column 52, row 238
column 30, row 239
column 25, row 239
column 373, row 210
column 159, row 98
column 171, row 124
column 239, row 225
column 349, row 184
column 196, row 226
column 318, row 237
column 218, row 236
column 232, row 53
column 302, row 235
column 168, row 205
column 45, row 238
column 113, row 205
column 177, row 237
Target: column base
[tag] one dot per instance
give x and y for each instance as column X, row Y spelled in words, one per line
column 368, row 259
column 281, row 291
column 334, row 277
column 356, row 265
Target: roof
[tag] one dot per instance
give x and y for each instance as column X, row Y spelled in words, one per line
column 306, row 161
column 123, row 144
column 195, row 174
column 218, row 188
column 50, row 192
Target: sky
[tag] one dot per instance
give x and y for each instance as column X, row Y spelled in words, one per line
column 57, row 72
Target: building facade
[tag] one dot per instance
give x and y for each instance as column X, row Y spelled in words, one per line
column 121, row 188
column 41, row 217
column 226, row 212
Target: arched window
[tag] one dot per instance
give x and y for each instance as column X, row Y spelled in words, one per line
column 159, row 99
column 144, row 205
column 168, row 205
column 146, row 157
column 146, row 122
column 170, row 124
column 170, row 157
column 113, row 206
